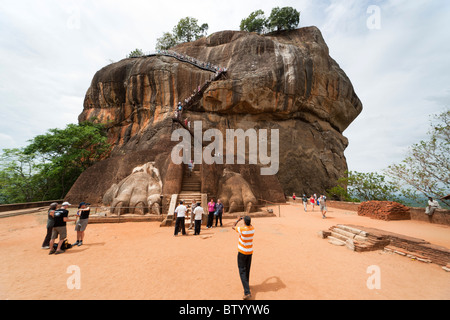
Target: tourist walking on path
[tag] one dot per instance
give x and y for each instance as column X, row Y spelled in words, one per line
column 83, row 220
column 61, row 217
column 245, row 252
column 198, row 215
column 305, row 201
column 193, row 205
column 181, row 214
column 293, row 197
column 50, row 223
column 211, row 209
column 313, row 202
column 323, row 205
column 219, row 211
column 180, row 110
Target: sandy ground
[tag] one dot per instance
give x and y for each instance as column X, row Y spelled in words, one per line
column 144, row 261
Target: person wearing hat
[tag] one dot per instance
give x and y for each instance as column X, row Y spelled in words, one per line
column 61, row 217
column 83, row 219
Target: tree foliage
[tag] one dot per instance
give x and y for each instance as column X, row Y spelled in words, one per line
column 255, row 22
column 136, row 53
column 51, row 163
column 186, row 30
column 21, row 179
column 166, row 42
column 286, row 18
column 359, row 186
column 426, row 169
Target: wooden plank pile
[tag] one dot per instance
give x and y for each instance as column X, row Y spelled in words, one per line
column 384, row 210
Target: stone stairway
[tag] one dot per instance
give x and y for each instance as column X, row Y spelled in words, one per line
column 191, row 182
column 190, row 190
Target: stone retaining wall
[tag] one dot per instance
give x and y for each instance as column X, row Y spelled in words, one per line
column 440, row 216
column 351, row 206
column 27, row 205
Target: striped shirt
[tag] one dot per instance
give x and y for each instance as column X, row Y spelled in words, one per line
column 246, row 234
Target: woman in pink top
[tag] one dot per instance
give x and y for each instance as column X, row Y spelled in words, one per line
column 211, row 209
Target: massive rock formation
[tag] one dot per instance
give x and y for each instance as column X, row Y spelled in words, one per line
column 284, row 80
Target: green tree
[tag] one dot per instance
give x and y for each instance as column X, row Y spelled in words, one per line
column 20, row 177
column 255, row 22
column 136, row 53
column 339, row 192
column 68, row 152
column 359, row 186
column 166, row 42
column 51, row 163
column 425, row 172
column 286, row 18
column 188, row 30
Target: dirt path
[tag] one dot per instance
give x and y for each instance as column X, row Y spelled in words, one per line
column 144, row 261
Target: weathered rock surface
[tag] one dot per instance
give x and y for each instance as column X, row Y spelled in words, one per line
column 284, row 80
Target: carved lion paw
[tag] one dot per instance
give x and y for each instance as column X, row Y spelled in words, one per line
column 139, row 193
column 236, row 193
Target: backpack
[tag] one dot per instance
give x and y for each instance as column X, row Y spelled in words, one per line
column 66, row 245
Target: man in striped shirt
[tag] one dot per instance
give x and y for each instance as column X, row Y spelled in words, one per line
column 245, row 252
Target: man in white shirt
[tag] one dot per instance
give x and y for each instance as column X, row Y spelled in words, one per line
column 181, row 214
column 193, row 205
column 198, row 215
column 432, row 206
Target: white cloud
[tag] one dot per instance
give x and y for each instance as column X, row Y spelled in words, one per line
column 395, row 71
column 51, row 50
column 8, row 141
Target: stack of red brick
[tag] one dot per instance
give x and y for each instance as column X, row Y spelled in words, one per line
column 384, row 210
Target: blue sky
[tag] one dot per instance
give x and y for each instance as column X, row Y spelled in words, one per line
column 394, row 52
